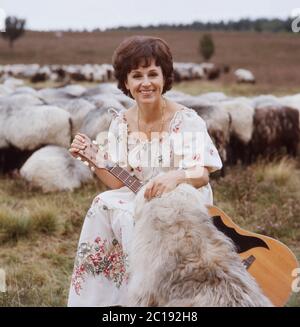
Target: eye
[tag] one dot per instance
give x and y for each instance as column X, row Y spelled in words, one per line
column 136, row 76
column 153, row 74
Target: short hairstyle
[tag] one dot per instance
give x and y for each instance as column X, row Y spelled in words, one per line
column 140, row 50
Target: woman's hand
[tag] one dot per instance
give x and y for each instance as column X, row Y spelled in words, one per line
column 162, row 184
column 79, row 143
column 82, row 147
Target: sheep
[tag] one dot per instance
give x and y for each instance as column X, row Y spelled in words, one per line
column 292, row 101
column 13, row 83
column 218, row 123
column 244, row 76
column 3, row 115
column 274, row 128
column 78, row 109
column 5, row 90
column 26, row 90
column 212, row 96
column 74, row 90
column 265, row 101
column 106, row 101
column 53, row 169
column 49, row 94
column 182, row 71
column 241, row 112
column 96, row 121
column 21, row 99
column 29, row 127
column 177, row 257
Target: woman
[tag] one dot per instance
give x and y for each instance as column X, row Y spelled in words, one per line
column 143, row 68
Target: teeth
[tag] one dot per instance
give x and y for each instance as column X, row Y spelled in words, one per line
column 146, row 92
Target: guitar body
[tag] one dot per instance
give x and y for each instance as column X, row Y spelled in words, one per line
column 269, row 261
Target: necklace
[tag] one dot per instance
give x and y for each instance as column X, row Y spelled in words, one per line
column 162, row 119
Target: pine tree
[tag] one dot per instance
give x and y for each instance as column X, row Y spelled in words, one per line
column 206, row 46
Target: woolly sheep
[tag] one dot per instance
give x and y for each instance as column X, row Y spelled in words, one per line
column 274, row 128
column 218, row 123
column 74, row 90
column 13, row 83
column 78, row 109
column 30, row 127
column 53, row 169
column 106, row 101
column 49, row 95
column 241, row 112
column 265, row 100
column 244, row 76
column 96, row 121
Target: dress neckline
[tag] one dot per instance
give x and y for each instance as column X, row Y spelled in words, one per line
column 124, row 120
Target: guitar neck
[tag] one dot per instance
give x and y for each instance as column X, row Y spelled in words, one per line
column 124, row 176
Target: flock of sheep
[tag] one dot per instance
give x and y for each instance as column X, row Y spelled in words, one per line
column 37, row 126
column 104, row 73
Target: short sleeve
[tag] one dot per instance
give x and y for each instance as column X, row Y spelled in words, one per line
column 113, row 143
column 193, row 145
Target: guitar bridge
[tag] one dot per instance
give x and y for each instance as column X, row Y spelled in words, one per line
column 248, row 262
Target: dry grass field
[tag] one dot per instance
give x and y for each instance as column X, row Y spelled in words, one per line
column 273, row 57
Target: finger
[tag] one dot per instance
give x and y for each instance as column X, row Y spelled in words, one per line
column 83, row 136
column 76, row 147
column 147, row 191
column 80, row 145
column 152, row 191
column 72, row 150
column 79, row 139
column 150, row 195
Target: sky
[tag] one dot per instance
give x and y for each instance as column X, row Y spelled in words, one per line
column 90, row 14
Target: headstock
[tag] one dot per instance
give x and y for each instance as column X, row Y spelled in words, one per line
column 89, row 155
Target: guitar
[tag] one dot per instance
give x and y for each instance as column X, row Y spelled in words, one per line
column 269, row 261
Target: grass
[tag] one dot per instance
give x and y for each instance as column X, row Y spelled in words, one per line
column 41, row 231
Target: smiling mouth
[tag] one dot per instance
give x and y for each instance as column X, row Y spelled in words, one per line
column 146, row 91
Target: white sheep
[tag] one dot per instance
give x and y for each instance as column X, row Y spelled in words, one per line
column 53, row 169
column 267, row 100
column 96, row 121
column 78, row 109
column 30, row 127
column 244, row 76
column 241, row 112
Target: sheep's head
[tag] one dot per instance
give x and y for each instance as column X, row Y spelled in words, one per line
column 182, row 199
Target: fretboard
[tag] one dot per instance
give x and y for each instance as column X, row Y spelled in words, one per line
column 124, row 176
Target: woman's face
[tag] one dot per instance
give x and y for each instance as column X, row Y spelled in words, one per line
column 145, row 83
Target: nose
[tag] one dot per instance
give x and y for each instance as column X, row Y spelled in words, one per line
column 145, row 81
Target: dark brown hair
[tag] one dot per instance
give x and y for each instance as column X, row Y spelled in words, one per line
column 140, row 50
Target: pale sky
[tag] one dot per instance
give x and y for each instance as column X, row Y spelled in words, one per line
column 90, row 14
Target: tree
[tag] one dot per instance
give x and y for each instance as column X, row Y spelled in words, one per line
column 206, row 46
column 14, row 28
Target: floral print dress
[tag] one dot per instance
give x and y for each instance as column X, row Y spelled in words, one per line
column 100, row 271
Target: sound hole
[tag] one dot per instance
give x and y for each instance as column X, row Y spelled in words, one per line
column 242, row 242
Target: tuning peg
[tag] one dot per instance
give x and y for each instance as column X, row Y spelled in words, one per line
column 95, row 142
column 92, row 169
column 86, row 163
column 79, row 158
